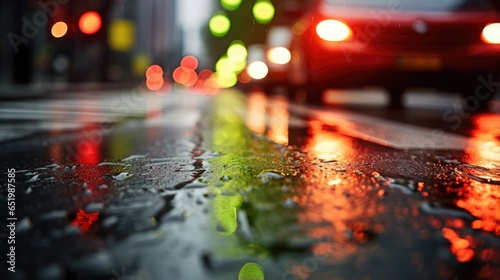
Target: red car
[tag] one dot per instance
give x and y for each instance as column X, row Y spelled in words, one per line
column 450, row 45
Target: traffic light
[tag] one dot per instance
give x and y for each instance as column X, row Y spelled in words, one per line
column 59, row 29
column 90, row 22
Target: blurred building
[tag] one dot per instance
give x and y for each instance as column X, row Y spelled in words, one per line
column 47, row 41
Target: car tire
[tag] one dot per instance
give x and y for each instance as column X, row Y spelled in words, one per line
column 471, row 103
column 396, row 98
column 314, row 95
column 476, row 98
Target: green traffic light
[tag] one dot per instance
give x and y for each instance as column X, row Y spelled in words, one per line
column 230, row 5
column 237, row 51
column 263, row 11
column 219, row 25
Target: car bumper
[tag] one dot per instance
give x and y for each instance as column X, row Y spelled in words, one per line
column 347, row 63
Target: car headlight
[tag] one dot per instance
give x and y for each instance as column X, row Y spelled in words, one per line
column 333, row 30
column 279, row 55
column 491, row 33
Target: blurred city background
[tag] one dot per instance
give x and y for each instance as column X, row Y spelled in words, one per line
column 57, row 42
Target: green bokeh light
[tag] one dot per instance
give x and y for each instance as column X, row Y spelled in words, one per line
column 219, row 25
column 237, row 51
column 230, row 5
column 263, row 11
column 251, row 271
column 226, row 80
column 239, row 66
column 224, row 65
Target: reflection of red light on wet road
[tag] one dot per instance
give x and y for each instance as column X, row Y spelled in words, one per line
column 84, row 220
column 256, row 112
column 485, row 143
column 344, row 219
column 278, row 124
column 460, row 247
column 88, row 152
column 481, row 198
column 327, row 145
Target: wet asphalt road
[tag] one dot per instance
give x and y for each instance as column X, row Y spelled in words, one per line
column 129, row 185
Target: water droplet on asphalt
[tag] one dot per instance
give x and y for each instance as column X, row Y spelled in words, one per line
column 290, row 203
column 133, row 157
column 112, row 164
column 437, row 209
column 50, row 271
column 52, row 166
column 270, row 175
column 23, row 225
column 195, row 185
column 94, row 207
column 110, row 221
column 54, row 215
column 33, row 179
column 479, row 173
column 96, row 264
column 87, row 192
column 122, row 176
column 225, row 178
column 401, row 188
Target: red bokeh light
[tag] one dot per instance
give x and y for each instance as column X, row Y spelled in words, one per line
column 154, row 73
column 90, row 22
column 189, row 62
column 154, row 85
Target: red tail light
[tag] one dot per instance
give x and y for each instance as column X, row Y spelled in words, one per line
column 333, row 30
column 491, row 33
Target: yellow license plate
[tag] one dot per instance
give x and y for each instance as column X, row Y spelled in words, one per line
column 419, row 62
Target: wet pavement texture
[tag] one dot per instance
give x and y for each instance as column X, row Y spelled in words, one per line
column 247, row 186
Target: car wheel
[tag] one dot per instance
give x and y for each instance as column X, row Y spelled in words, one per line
column 472, row 102
column 314, row 95
column 396, row 98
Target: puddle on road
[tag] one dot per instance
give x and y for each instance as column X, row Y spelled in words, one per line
column 97, row 206
column 359, row 207
column 325, row 207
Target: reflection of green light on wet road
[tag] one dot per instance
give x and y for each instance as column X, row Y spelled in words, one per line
column 219, row 25
column 251, row 271
column 263, row 11
column 225, row 213
column 242, row 205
